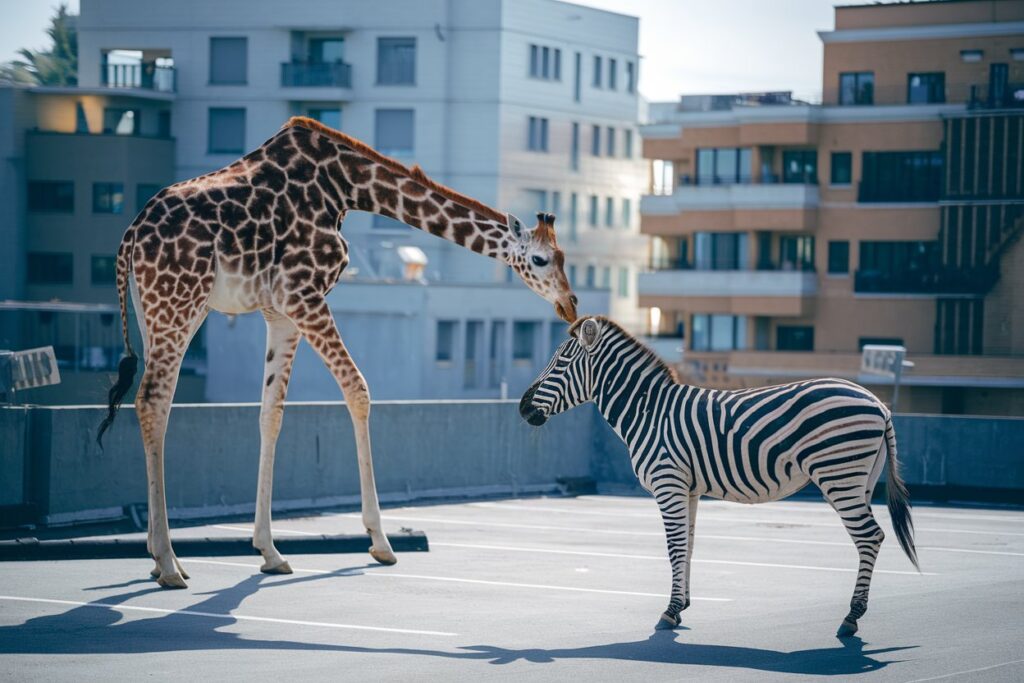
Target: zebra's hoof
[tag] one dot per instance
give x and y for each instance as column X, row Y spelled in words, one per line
column 667, row 622
column 846, row 629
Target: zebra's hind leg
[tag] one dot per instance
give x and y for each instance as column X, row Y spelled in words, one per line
column 674, row 502
column 855, row 511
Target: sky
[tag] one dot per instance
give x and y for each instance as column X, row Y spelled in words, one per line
column 687, row 46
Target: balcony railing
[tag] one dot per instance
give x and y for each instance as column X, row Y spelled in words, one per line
column 729, row 283
column 1010, row 97
column 316, row 75
column 687, row 180
column 929, row 281
column 145, row 75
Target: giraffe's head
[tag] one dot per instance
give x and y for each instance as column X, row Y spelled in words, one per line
column 536, row 258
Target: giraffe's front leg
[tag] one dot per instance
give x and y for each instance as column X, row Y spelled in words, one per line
column 674, row 502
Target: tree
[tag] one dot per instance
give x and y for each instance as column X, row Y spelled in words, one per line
column 56, row 66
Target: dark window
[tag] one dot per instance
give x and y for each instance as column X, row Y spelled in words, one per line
column 226, row 131
column 228, row 57
column 472, row 351
column 556, row 68
column 800, row 166
column 838, row 257
column 613, row 75
column 396, row 61
column 395, row 131
column 611, row 141
column 593, row 218
column 104, row 270
column 598, row 66
column 330, row 116
column 326, row 50
column 897, row 266
column 883, row 341
column 108, row 198
column 723, row 165
column 47, row 268
column 143, row 193
column 534, row 61
column 163, row 123
column 537, row 140
column 718, row 332
column 796, row 252
column 51, row 196
column 577, row 77
column 719, row 250
column 121, row 121
column 900, row 177
column 630, row 77
column 794, row 338
column 524, row 339
column 841, row 168
column 445, row 340
column 558, row 332
column 595, row 140
column 574, row 147
column 627, row 151
column 926, row 88
column 609, row 211
column 857, row 88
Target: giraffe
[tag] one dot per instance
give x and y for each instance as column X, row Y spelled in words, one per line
column 264, row 234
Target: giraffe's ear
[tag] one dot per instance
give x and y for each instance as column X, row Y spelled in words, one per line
column 590, row 332
column 516, row 226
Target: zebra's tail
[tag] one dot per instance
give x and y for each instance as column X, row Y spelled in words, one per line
column 898, row 498
column 128, row 366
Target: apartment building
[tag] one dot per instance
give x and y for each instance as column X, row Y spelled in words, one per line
column 788, row 235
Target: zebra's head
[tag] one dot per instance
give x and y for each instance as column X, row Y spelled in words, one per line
column 568, row 380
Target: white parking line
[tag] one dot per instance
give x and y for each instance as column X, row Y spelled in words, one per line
column 387, row 574
column 968, row 671
column 226, row 617
column 664, row 558
column 715, row 517
column 617, row 532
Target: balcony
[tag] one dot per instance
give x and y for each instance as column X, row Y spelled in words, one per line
column 141, row 76
column 1011, row 96
column 938, row 281
column 316, row 75
column 741, row 206
column 741, row 292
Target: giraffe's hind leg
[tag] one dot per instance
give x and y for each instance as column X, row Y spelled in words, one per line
column 317, row 325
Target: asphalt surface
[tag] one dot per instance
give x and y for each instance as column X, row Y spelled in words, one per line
column 541, row 589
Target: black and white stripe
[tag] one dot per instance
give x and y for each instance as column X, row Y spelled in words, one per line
column 750, row 446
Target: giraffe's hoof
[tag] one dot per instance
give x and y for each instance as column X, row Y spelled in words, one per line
column 846, row 629
column 281, row 567
column 385, row 557
column 172, row 581
column 155, row 572
column 667, row 622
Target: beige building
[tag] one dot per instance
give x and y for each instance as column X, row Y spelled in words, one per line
column 788, row 235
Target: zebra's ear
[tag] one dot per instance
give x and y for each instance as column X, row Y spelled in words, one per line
column 589, row 333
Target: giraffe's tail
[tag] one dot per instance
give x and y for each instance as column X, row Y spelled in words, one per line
column 129, row 365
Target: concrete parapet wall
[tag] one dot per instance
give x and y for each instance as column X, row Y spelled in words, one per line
column 48, row 456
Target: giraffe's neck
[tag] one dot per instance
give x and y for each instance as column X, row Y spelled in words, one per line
column 364, row 180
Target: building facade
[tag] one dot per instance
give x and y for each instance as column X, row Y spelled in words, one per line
column 789, row 235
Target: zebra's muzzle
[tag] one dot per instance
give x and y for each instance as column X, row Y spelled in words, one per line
column 531, row 413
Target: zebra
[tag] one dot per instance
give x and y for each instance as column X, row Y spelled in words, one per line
column 748, row 446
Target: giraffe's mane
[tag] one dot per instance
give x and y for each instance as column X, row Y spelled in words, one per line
column 415, row 173
column 649, row 355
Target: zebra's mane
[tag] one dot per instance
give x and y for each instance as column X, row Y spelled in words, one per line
column 649, row 356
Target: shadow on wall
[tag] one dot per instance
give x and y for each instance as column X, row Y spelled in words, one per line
column 98, row 628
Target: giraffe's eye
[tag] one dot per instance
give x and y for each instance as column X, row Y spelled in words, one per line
column 539, row 261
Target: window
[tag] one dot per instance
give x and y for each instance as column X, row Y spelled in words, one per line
column 571, row 275
column 796, row 252
column 329, row 117
column 574, row 147
column 609, row 212
column 593, row 211
column 663, row 177
column 396, row 61
column 896, row 257
column 556, row 203
column 577, row 77
column 597, row 71
column 611, row 142
column 841, row 172
column 228, row 57
column 613, row 68
column 800, row 166
column 900, row 176
column 51, row 196
column 718, row 332
column 107, row 198
column 723, row 165
column 538, row 201
column 120, row 121
column 595, row 140
column 226, row 132
column 556, row 69
column 627, row 151
column 163, row 123
column 630, row 77
column 538, row 134
column 606, row 278
column 623, row 290
column 104, row 270
column 498, row 351
column 970, row 56
column 590, row 277
column 883, row 341
column 445, row 351
column 838, row 257
column 394, row 131
column 143, row 193
column 627, row 212
column 720, row 250
column 48, row 268
column 326, row 50
column 524, row 340
column 926, row 88
column 857, row 87
column 545, row 63
column 573, row 216
column 474, row 339
column 558, row 333
column 794, row 338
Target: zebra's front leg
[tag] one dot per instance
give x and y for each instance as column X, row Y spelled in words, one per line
column 674, row 502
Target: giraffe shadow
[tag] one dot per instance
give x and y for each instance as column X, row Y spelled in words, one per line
column 99, row 627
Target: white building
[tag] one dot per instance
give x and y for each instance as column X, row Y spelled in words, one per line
column 526, row 105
